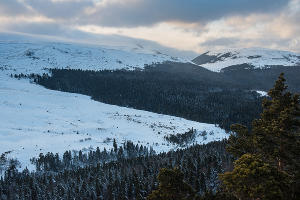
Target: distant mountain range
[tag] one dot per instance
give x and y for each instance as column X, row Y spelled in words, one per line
column 17, row 51
column 252, row 68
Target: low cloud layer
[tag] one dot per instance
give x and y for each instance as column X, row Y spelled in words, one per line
column 13, row 8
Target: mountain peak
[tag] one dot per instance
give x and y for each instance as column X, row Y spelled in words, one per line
column 259, row 58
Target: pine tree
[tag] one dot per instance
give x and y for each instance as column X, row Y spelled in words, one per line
column 254, row 179
column 277, row 131
column 172, row 186
column 274, row 138
column 115, row 146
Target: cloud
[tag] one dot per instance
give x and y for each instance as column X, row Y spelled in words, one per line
column 147, row 12
column 220, row 42
column 52, row 31
column 41, row 28
column 197, row 25
column 62, row 9
column 14, row 8
column 277, row 31
column 132, row 13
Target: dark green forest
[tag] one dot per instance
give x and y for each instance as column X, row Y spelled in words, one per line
column 161, row 92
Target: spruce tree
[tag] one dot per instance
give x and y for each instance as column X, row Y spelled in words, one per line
column 277, row 131
column 272, row 143
column 115, row 146
column 252, row 178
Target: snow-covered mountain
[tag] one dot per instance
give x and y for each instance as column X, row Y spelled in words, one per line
column 35, row 119
column 254, row 57
column 34, row 57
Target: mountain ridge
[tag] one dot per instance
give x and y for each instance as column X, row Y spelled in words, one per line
column 36, row 57
column 256, row 58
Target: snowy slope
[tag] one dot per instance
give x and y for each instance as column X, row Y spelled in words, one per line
column 257, row 57
column 34, row 57
column 35, row 119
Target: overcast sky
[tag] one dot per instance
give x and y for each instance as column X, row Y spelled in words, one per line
column 191, row 25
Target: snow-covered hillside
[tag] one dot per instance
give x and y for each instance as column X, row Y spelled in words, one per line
column 34, row 57
column 257, row 57
column 35, row 119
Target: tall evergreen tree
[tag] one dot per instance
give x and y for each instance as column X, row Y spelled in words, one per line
column 274, row 138
column 277, row 131
column 253, row 179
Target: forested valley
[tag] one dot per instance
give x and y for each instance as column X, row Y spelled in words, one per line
column 260, row 160
column 161, row 92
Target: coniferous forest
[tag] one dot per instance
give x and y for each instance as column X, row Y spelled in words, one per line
column 257, row 162
column 162, row 92
column 126, row 172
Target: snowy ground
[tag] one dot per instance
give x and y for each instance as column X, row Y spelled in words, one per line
column 262, row 93
column 26, row 57
column 35, row 119
column 257, row 57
